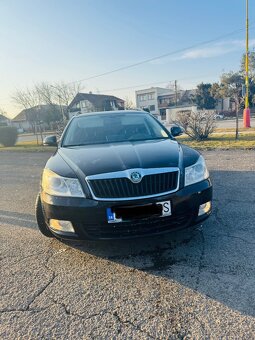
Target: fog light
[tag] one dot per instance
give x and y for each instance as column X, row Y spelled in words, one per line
column 60, row 225
column 204, row 208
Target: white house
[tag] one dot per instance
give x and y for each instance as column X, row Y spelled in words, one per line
column 148, row 98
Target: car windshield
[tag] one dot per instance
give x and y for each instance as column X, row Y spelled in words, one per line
column 111, row 128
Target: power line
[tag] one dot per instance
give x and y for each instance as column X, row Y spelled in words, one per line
column 160, row 56
column 156, row 83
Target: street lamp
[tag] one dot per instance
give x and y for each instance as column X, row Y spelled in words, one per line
column 246, row 112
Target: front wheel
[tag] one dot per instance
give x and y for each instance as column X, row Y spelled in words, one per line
column 42, row 225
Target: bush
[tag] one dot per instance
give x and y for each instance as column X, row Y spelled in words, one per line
column 198, row 125
column 8, row 135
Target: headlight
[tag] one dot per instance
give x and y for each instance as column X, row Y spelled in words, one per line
column 196, row 172
column 56, row 185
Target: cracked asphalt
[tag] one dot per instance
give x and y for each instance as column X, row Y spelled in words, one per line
column 191, row 284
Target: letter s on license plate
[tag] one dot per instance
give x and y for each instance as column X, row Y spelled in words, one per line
column 166, row 208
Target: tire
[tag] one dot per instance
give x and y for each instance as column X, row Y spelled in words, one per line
column 42, row 225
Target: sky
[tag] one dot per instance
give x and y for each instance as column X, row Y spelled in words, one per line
column 70, row 40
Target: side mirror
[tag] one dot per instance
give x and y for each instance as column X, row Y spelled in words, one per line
column 50, row 141
column 176, row 131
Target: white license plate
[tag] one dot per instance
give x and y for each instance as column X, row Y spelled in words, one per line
column 166, row 211
column 166, row 208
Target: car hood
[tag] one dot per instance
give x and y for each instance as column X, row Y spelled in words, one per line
column 97, row 159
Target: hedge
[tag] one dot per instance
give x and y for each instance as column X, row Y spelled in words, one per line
column 8, row 135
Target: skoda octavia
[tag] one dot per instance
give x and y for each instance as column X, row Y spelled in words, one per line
column 121, row 174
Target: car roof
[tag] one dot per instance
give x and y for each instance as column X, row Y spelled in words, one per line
column 110, row 112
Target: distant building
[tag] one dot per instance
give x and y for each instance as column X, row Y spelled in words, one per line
column 28, row 119
column 89, row 102
column 225, row 105
column 173, row 112
column 4, row 120
column 148, row 98
column 21, row 122
column 176, row 99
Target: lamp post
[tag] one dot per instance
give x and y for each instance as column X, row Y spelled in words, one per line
column 246, row 112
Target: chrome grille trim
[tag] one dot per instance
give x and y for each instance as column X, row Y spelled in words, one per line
column 126, row 174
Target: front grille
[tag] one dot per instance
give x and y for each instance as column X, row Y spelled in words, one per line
column 149, row 226
column 123, row 188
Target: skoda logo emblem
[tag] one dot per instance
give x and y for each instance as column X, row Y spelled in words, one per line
column 136, row 177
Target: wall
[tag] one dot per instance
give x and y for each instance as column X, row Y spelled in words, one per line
column 172, row 113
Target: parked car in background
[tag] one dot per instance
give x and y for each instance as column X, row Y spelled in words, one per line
column 121, row 174
column 219, row 116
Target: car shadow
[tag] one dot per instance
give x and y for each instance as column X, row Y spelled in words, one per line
column 216, row 260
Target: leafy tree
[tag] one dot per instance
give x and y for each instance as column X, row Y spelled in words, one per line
column 204, row 98
column 251, row 76
column 231, row 86
column 251, row 65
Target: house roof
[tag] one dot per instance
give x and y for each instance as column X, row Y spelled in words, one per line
column 97, row 100
column 2, row 117
column 22, row 116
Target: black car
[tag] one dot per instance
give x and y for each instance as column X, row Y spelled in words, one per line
column 121, row 174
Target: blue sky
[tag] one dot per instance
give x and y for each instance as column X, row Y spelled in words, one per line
column 53, row 40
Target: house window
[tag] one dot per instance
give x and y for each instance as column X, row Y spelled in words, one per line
column 150, row 96
column 152, row 108
column 142, row 97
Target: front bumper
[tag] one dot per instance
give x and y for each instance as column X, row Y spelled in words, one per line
column 89, row 217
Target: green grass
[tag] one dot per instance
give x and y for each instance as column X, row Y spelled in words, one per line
column 28, row 146
column 241, row 129
column 222, row 141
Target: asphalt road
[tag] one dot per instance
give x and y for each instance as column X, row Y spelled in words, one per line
column 197, row 285
column 32, row 138
column 231, row 123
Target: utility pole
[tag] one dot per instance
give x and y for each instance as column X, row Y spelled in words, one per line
column 60, row 104
column 246, row 112
column 175, row 89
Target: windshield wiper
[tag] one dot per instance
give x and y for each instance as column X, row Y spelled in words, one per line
column 114, row 141
column 72, row 145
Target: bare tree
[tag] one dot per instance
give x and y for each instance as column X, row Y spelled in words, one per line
column 28, row 100
column 129, row 105
column 57, row 96
column 3, row 112
column 60, row 94
column 46, row 93
column 197, row 124
column 64, row 93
